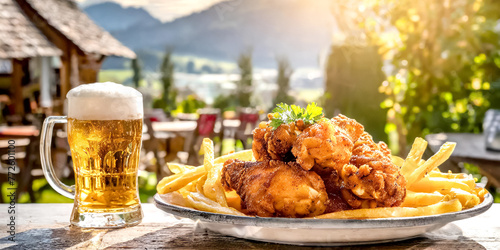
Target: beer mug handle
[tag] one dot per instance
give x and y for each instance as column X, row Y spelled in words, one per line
column 45, row 156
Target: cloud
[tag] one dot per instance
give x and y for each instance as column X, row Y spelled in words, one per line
column 161, row 9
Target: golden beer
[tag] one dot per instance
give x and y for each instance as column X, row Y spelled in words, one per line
column 105, row 157
column 104, row 134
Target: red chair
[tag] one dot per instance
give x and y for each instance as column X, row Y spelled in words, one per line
column 249, row 119
column 206, row 127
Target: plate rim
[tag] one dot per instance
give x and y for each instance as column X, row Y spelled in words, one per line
column 277, row 222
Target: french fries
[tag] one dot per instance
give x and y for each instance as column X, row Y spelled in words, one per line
column 201, row 202
column 179, row 168
column 420, row 199
column 427, row 185
column 431, row 184
column 175, row 182
column 414, row 156
column 467, row 199
column 388, row 212
column 397, row 160
column 441, row 156
column 245, row 155
column 201, row 186
column 429, row 191
column 213, row 187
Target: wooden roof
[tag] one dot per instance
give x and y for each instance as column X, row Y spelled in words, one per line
column 67, row 18
column 19, row 38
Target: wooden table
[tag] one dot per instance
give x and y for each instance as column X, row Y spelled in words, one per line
column 188, row 126
column 174, row 126
column 46, row 226
column 470, row 148
column 18, row 131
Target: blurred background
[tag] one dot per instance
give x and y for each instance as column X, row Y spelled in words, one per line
column 215, row 68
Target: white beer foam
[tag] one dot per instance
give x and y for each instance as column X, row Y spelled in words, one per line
column 104, row 101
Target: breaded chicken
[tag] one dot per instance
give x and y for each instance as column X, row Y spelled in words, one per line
column 371, row 179
column 259, row 144
column 350, row 127
column 326, row 143
column 356, row 171
column 275, row 188
column 274, row 144
column 333, row 187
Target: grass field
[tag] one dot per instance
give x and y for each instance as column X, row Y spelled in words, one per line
column 115, row 75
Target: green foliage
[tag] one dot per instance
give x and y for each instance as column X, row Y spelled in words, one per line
column 285, row 71
column 167, row 79
column 285, row 114
column 244, row 90
column 473, row 170
column 136, row 68
column 353, row 74
column 114, row 75
column 447, row 60
column 225, row 102
column 190, row 105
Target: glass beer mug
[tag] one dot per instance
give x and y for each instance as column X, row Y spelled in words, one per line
column 104, row 126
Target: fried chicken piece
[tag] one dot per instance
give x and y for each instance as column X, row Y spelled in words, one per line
column 275, row 188
column 333, row 188
column 259, row 144
column 371, row 179
column 351, row 127
column 269, row 144
column 327, row 143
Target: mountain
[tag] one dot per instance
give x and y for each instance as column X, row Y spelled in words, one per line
column 113, row 17
column 298, row 29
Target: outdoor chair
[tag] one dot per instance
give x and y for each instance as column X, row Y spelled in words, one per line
column 20, row 155
column 28, row 161
column 206, row 127
column 33, row 165
column 249, row 119
column 156, row 142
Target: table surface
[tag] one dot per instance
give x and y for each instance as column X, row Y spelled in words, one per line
column 28, row 130
column 174, row 126
column 46, row 226
column 187, row 126
column 470, row 148
column 468, row 145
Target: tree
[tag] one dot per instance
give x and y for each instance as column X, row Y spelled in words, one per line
column 167, row 80
column 353, row 75
column 136, row 67
column 285, row 71
column 244, row 89
column 225, row 102
column 446, row 60
column 190, row 67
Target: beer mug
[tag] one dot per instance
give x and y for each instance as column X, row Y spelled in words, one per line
column 104, row 126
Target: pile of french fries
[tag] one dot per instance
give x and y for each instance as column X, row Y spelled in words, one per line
column 429, row 191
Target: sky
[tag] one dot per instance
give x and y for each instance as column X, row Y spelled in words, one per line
column 164, row 10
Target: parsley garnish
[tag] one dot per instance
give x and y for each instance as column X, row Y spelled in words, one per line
column 285, row 114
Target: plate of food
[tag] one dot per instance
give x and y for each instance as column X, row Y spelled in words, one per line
column 310, row 180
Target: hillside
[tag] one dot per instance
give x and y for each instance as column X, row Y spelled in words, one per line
column 299, row 29
column 113, row 17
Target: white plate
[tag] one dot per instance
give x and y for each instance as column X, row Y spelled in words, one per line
column 320, row 232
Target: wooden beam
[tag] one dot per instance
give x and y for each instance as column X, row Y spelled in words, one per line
column 74, row 75
column 64, row 83
column 89, row 66
column 16, row 88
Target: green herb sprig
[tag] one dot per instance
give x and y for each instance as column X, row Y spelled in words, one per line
column 285, row 114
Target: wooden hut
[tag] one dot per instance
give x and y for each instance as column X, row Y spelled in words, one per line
column 34, row 28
